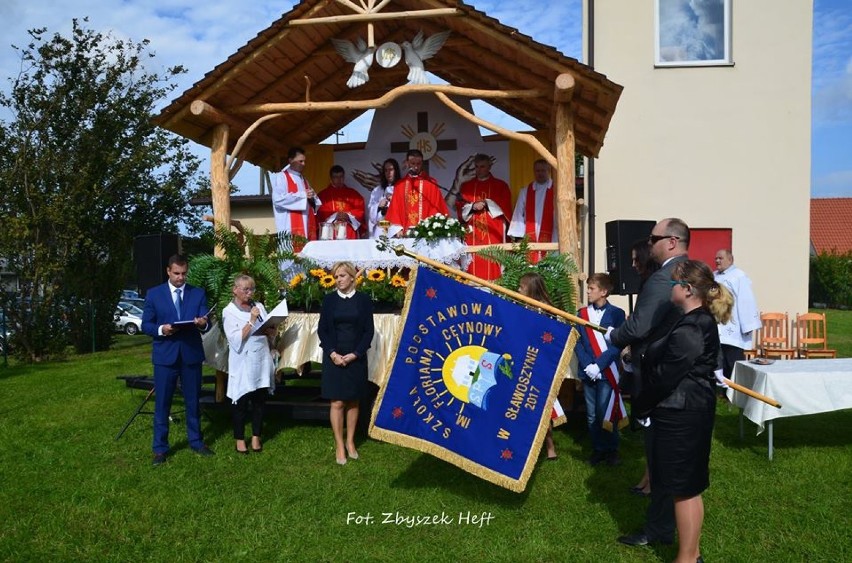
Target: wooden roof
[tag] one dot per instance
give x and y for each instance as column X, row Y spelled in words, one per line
column 480, row 53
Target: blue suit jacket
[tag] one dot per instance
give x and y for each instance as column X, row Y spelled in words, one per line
column 612, row 317
column 185, row 345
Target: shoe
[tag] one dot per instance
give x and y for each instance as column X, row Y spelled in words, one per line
column 597, row 458
column 341, row 461
column 239, row 451
column 552, row 457
column 159, row 459
column 641, row 539
column 353, row 455
column 613, row 459
column 257, row 450
column 204, row 451
column 639, row 492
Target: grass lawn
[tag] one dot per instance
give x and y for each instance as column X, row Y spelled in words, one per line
column 69, row 491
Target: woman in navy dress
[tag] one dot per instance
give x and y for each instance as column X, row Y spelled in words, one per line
column 345, row 332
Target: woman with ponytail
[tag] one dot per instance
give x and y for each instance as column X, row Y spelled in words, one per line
column 678, row 396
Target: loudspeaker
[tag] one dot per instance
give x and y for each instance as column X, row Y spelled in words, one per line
column 620, row 236
column 151, row 255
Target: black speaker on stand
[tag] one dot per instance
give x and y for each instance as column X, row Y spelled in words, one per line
column 620, row 236
column 151, row 255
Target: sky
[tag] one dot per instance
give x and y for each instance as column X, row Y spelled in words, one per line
column 200, row 35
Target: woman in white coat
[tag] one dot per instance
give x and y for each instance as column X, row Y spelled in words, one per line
column 251, row 368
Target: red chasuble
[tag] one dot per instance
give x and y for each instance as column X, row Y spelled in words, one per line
column 343, row 199
column 485, row 228
column 415, row 198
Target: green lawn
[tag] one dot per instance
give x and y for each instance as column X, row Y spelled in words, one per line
column 839, row 328
column 68, row 491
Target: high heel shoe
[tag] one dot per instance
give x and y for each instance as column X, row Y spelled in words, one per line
column 341, row 461
column 352, row 454
column 241, row 452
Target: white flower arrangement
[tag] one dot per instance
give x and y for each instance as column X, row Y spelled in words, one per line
column 437, row 227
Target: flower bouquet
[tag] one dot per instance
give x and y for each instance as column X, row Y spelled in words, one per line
column 437, row 227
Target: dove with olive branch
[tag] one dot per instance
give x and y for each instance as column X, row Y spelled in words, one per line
column 360, row 55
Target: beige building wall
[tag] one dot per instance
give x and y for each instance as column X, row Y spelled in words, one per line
column 725, row 146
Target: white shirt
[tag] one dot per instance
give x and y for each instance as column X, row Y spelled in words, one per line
column 283, row 201
column 745, row 316
column 250, row 364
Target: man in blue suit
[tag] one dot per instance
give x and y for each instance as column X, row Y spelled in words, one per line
column 175, row 314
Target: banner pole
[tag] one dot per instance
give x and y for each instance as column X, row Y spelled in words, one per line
column 401, row 249
column 753, row 394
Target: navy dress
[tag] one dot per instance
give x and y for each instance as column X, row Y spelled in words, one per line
column 345, row 325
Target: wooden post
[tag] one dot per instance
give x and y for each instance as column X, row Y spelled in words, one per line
column 221, row 198
column 566, row 199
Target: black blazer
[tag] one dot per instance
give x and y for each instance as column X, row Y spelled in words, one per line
column 653, row 316
column 325, row 329
column 677, row 370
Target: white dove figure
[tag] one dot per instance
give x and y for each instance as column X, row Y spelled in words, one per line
column 360, row 55
column 418, row 51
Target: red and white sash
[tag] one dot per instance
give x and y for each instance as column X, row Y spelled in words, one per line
column 616, row 412
column 297, row 220
column 545, row 231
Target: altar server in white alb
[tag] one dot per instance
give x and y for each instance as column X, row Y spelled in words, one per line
column 535, row 212
column 736, row 334
column 294, row 202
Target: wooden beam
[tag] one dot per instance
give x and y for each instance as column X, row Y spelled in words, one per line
column 219, row 184
column 566, row 198
column 386, row 100
column 354, row 18
column 213, row 115
column 523, row 137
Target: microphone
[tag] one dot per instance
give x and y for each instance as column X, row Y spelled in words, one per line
column 252, row 304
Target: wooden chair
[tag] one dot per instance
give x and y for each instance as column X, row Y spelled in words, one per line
column 775, row 337
column 754, row 351
column 811, row 337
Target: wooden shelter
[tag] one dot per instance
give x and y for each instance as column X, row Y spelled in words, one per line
column 287, row 87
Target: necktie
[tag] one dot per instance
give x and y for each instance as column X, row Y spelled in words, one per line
column 178, row 302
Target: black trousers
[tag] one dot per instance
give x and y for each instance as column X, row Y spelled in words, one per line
column 730, row 356
column 253, row 403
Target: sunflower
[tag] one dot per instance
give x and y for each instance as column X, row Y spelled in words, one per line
column 327, row 281
column 398, row 281
column 358, row 281
column 375, row 275
column 318, row 273
column 297, row 279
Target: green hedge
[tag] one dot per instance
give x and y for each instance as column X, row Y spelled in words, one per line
column 831, row 280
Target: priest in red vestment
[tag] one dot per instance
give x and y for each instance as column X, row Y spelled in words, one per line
column 341, row 215
column 482, row 205
column 535, row 212
column 416, row 196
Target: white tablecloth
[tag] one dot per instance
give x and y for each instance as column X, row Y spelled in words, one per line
column 801, row 386
column 364, row 253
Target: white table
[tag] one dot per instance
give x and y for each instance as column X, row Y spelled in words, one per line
column 364, row 253
column 801, row 386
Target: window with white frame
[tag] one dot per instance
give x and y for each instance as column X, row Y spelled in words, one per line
column 693, row 32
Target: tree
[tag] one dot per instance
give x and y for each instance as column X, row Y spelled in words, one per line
column 83, row 172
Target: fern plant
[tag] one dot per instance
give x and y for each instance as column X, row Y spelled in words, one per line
column 258, row 256
column 556, row 270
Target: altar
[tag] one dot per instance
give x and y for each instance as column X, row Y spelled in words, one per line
column 364, row 253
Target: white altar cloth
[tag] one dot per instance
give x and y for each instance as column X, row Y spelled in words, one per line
column 365, row 254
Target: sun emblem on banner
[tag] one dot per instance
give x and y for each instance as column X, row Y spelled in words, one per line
column 470, row 372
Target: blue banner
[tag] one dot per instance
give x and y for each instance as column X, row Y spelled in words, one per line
column 473, row 379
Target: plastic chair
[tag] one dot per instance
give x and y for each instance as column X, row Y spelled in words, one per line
column 811, row 336
column 775, row 336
